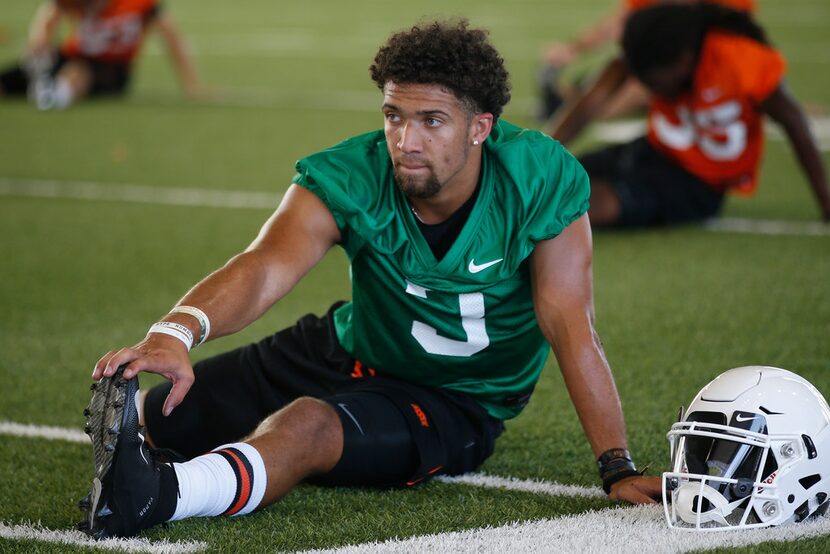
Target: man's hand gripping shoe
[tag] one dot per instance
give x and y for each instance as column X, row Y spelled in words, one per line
column 131, row 491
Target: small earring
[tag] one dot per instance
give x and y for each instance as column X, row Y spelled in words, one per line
column 475, row 143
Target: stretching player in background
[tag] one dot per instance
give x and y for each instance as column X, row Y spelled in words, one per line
column 713, row 76
column 470, row 257
column 96, row 58
column 630, row 95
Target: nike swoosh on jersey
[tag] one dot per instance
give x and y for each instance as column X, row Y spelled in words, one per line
column 474, row 268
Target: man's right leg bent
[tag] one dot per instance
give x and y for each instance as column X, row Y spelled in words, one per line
column 375, row 432
column 302, row 439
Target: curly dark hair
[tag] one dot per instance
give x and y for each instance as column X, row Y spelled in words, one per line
column 656, row 36
column 448, row 54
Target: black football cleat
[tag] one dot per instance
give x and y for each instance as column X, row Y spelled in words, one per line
column 131, row 491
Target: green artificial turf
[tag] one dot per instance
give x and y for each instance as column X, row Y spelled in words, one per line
column 79, row 277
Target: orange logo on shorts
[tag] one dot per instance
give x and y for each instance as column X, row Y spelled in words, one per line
column 422, row 417
column 357, row 370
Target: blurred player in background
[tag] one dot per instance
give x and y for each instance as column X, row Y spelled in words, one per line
column 96, row 58
column 631, row 95
column 713, row 76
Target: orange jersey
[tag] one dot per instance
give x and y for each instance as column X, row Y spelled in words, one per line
column 743, row 5
column 112, row 34
column 715, row 131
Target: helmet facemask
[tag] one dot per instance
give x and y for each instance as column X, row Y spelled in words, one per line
column 730, row 471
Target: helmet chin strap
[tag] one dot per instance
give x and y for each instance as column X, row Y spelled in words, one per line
column 688, row 498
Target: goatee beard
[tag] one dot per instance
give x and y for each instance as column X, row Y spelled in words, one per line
column 417, row 188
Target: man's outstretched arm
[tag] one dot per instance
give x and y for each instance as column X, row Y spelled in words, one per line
column 572, row 118
column 42, row 29
column 290, row 243
column 563, row 299
column 785, row 110
column 180, row 54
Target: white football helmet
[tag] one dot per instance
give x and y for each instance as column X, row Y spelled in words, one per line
column 752, row 450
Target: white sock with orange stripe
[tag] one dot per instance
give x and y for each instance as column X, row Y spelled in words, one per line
column 228, row 481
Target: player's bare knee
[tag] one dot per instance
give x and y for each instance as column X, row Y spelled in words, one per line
column 315, row 412
column 307, row 420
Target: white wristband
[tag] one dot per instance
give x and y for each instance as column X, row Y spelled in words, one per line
column 174, row 330
column 204, row 321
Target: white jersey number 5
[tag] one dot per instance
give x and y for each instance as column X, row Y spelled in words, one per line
column 471, row 307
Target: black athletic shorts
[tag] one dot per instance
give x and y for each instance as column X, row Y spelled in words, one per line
column 108, row 78
column 395, row 432
column 652, row 189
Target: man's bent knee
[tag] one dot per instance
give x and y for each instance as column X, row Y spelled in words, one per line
column 312, row 414
column 307, row 425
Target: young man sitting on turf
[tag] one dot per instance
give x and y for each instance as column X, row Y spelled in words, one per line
column 470, row 253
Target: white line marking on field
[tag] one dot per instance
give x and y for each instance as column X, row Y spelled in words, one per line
column 768, row 227
column 259, row 97
column 524, row 485
column 42, row 432
column 631, row 529
column 86, row 190
column 76, row 538
column 212, row 198
column 237, row 97
column 622, row 530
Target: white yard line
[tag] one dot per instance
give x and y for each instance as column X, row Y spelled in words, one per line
column 212, row 198
column 768, row 227
column 622, row 530
column 76, row 538
column 86, row 190
column 523, row 485
column 42, row 432
column 359, row 101
column 630, row 529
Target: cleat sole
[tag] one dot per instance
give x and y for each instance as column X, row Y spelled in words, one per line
column 104, row 421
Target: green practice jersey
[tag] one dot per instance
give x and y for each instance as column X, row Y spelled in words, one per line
column 465, row 322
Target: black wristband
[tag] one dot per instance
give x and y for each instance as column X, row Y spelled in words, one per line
column 615, row 465
column 622, row 474
column 612, row 454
